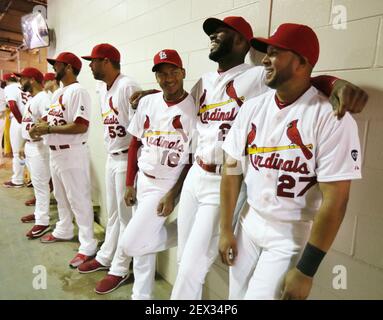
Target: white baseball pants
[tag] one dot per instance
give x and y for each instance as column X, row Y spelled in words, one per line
column 16, row 139
column 267, row 250
column 119, row 215
column 146, row 233
column 198, row 231
column 37, row 160
column 2, row 127
column 72, row 190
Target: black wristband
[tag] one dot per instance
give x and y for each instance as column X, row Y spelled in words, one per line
column 310, row 260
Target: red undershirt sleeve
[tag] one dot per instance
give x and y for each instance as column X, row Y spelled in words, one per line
column 83, row 121
column 15, row 110
column 132, row 161
column 324, row 83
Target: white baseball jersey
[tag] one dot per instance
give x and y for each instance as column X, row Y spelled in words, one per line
column 116, row 112
column 50, row 94
column 70, row 103
column 284, row 152
column 13, row 92
column 35, row 109
column 165, row 132
column 3, row 103
column 219, row 97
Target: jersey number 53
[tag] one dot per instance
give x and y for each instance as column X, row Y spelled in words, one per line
column 116, row 131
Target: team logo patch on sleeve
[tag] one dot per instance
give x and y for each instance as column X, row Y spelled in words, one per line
column 354, row 154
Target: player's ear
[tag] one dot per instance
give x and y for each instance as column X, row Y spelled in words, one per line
column 183, row 73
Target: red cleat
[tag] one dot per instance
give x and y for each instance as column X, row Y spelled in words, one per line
column 37, row 231
column 109, row 284
column 28, row 219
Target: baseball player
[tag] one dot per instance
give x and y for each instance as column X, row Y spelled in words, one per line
column 16, row 100
column 163, row 124
column 3, row 103
column 50, row 86
column 3, row 106
column 116, row 113
column 6, row 143
column 35, row 152
column 66, row 131
column 50, row 83
column 219, row 96
column 297, row 161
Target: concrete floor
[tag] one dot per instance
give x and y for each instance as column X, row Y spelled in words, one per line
column 19, row 257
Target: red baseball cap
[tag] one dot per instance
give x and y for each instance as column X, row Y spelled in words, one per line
column 239, row 24
column 298, row 38
column 49, row 76
column 31, row 73
column 167, row 56
column 68, row 58
column 9, row 76
column 104, row 50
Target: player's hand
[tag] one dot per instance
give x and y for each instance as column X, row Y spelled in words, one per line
column 130, row 196
column 2, row 114
column 347, row 97
column 136, row 97
column 166, row 205
column 33, row 133
column 228, row 247
column 297, row 286
column 39, row 129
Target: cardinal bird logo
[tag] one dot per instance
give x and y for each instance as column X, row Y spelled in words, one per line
column 179, row 128
column 251, row 136
column 230, row 90
column 250, row 139
column 295, row 138
column 201, row 101
column 61, row 102
column 112, row 107
column 147, row 123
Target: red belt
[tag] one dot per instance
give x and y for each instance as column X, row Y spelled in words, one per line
column 120, row 152
column 64, row 146
column 213, row 168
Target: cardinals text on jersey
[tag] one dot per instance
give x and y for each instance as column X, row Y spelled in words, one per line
column 165, row 132
column 284, row 152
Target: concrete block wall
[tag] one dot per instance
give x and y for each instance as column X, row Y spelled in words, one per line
column 140, row 28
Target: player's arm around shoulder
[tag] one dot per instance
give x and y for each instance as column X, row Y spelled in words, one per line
column 136, row 96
